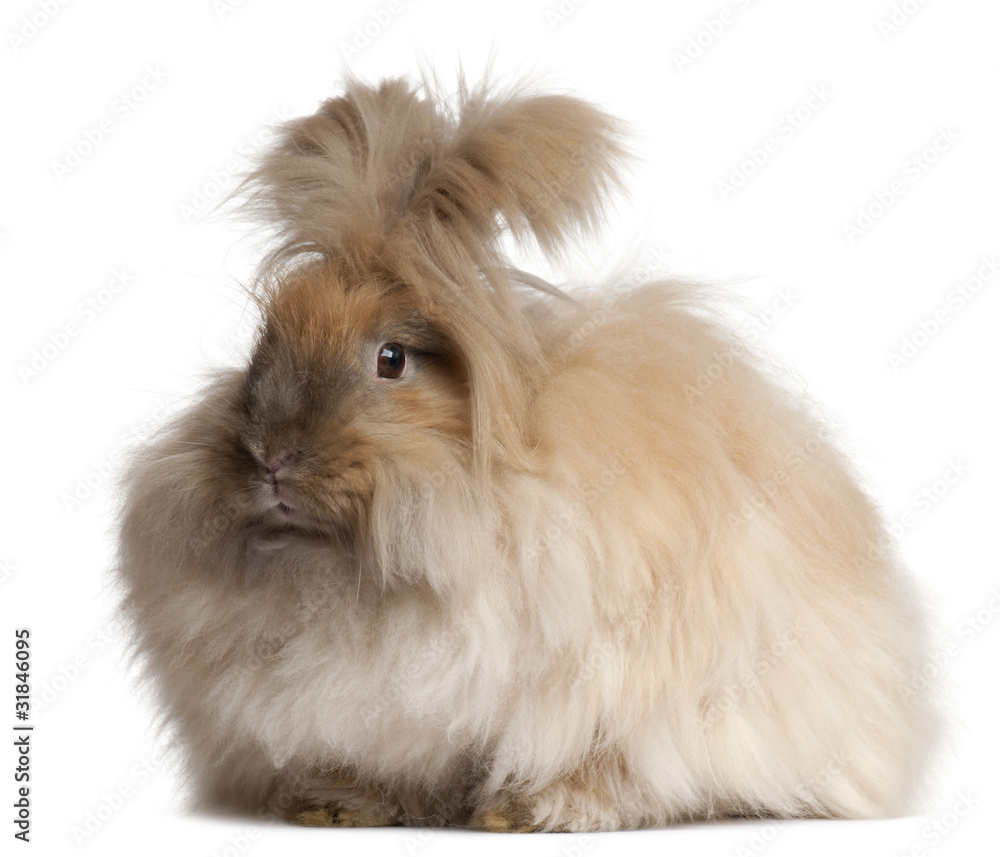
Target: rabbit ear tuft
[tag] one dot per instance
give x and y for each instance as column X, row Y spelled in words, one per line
column 344, row 175
column 343, row 179
column 536, row 165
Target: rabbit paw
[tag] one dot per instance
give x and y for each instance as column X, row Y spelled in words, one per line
column 338, row 815
column 332, row 802
column 507, row 814
column 587, row 800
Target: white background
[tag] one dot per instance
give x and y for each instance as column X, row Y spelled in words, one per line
column 183, row 88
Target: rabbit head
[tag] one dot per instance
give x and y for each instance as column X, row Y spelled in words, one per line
column 392, row 332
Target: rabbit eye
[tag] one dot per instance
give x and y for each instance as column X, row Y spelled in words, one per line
column 391, row 360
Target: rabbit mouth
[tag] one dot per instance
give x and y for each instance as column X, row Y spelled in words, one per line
column 293, row 525
column 289, row 513
column 292, row 516
column 278, row 504
column 279, row 496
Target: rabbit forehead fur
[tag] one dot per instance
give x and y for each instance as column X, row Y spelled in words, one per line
column 558, row 550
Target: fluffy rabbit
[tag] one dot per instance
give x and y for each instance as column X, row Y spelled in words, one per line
column 458, row 548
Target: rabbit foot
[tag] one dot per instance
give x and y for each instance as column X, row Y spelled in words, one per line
column 332, row 802
column 335, row 815
column 589, row 799
column 508, row 815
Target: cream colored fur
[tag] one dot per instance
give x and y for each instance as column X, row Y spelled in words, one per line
column 553, row 579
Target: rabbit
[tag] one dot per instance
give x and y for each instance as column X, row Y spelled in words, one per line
column 459, row 547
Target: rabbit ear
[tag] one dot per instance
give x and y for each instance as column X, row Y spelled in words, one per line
column 537, row 165
column 341, row 180
column 343, row 176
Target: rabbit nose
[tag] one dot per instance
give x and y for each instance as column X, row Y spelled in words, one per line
column 279, row 462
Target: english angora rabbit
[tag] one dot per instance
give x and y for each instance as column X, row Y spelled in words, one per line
column 458, row 547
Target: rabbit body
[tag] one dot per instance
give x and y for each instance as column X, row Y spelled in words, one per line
column 581, row 566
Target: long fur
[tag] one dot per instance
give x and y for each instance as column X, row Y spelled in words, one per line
column 584, row 567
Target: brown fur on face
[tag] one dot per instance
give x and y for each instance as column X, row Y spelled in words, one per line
column 312, row 395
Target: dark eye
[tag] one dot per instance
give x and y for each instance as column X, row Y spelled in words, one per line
column 391, row 360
